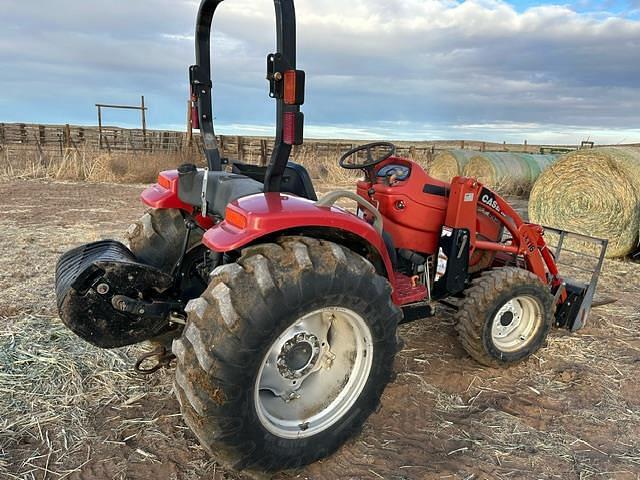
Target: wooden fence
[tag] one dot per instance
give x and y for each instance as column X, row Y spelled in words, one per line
column 58, row 139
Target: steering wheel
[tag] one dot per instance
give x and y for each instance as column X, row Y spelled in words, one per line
column 389, row 149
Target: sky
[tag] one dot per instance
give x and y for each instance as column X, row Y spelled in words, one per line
column 541, row 71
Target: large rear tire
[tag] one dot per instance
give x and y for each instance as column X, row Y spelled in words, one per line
column 505, row 316
column 286, row 353
column 157, row 238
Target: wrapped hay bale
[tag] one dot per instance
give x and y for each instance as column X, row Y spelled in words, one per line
column 595, row 192
column 509, row 172
column 450, row 163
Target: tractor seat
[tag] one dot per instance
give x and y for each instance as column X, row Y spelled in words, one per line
column 222, row 188
column 295, row 178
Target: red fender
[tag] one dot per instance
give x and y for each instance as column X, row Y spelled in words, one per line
column 250, row 218
column 164, row 194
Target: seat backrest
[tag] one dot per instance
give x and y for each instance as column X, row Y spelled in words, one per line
column 295, row 179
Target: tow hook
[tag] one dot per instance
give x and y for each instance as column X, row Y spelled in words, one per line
column 163, row 359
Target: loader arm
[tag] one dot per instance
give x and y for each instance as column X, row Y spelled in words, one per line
column 526, row 247
column 527, row 241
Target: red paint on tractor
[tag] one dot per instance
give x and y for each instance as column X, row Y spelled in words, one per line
column 164, row 194
column 269, row 213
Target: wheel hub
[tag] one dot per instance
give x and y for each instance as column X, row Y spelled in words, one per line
column 516, row 323
column 298, row 355
column 506, row 319
column 313, row 372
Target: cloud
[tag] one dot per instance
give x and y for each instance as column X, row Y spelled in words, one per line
column 402, row 68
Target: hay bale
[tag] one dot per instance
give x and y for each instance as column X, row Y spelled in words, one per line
column 595, row 192
column 450, row 163
column 509, row 172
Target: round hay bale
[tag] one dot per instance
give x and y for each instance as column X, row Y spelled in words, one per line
column 594, row 192
column 509, row 172
column 449, row 164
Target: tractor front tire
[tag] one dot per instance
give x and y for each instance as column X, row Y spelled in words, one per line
column 505, row 316
column 157, row 238
column 285, row 354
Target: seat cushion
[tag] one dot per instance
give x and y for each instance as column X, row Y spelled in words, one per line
column 222, row 188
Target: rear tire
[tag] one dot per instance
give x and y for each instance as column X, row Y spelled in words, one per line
column 157, row 238
column 505, row 316
column 247, row 314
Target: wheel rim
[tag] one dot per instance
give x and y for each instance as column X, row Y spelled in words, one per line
column 313, row 373
column 516, row 323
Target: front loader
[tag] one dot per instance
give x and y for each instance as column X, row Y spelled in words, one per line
column 281, row 310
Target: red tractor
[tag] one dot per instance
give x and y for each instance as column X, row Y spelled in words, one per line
column 281, row 310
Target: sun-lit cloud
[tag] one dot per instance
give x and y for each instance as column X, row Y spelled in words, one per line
column 483, row 69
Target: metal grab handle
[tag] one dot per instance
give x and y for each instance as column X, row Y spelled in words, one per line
column 330, row 198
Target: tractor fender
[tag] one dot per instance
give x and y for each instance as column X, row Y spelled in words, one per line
column 264, row 216
column 164, row 193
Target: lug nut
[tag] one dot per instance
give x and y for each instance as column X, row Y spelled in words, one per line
column 102, row 289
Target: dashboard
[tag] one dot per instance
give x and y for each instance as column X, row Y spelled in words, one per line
column 400, row 172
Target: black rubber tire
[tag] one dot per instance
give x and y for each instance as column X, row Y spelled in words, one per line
column 482, row 300
column 247, row 305
column 157, row 238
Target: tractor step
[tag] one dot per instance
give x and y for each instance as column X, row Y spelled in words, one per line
column 109, row 299
column 408, row 290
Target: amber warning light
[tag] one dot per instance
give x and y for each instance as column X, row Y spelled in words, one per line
column 294, row 87
column 235, row 218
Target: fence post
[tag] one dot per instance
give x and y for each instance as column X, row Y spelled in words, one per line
column 222, row 143
column 99, row 127
column 2, row 134
column 66, row 136
column 190, row 125
column 263, row 152
column 144, row 123
column 240, row 149
column 412, row 152
column 462, row 144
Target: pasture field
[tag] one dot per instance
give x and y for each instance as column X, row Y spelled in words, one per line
column 69, row 410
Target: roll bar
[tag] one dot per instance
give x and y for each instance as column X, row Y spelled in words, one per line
column 289, row 118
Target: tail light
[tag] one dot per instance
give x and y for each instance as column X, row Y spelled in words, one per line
column 195, row 118
column 292, row 132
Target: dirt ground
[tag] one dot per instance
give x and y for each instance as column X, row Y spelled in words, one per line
column 68, row 410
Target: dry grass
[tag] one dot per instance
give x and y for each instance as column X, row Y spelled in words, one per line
column 90, row 164
column 142, row 167
column 50, row 385
column 594, row 192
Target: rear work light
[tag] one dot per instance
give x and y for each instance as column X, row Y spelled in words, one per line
column 294, row 87
column 235, row 218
